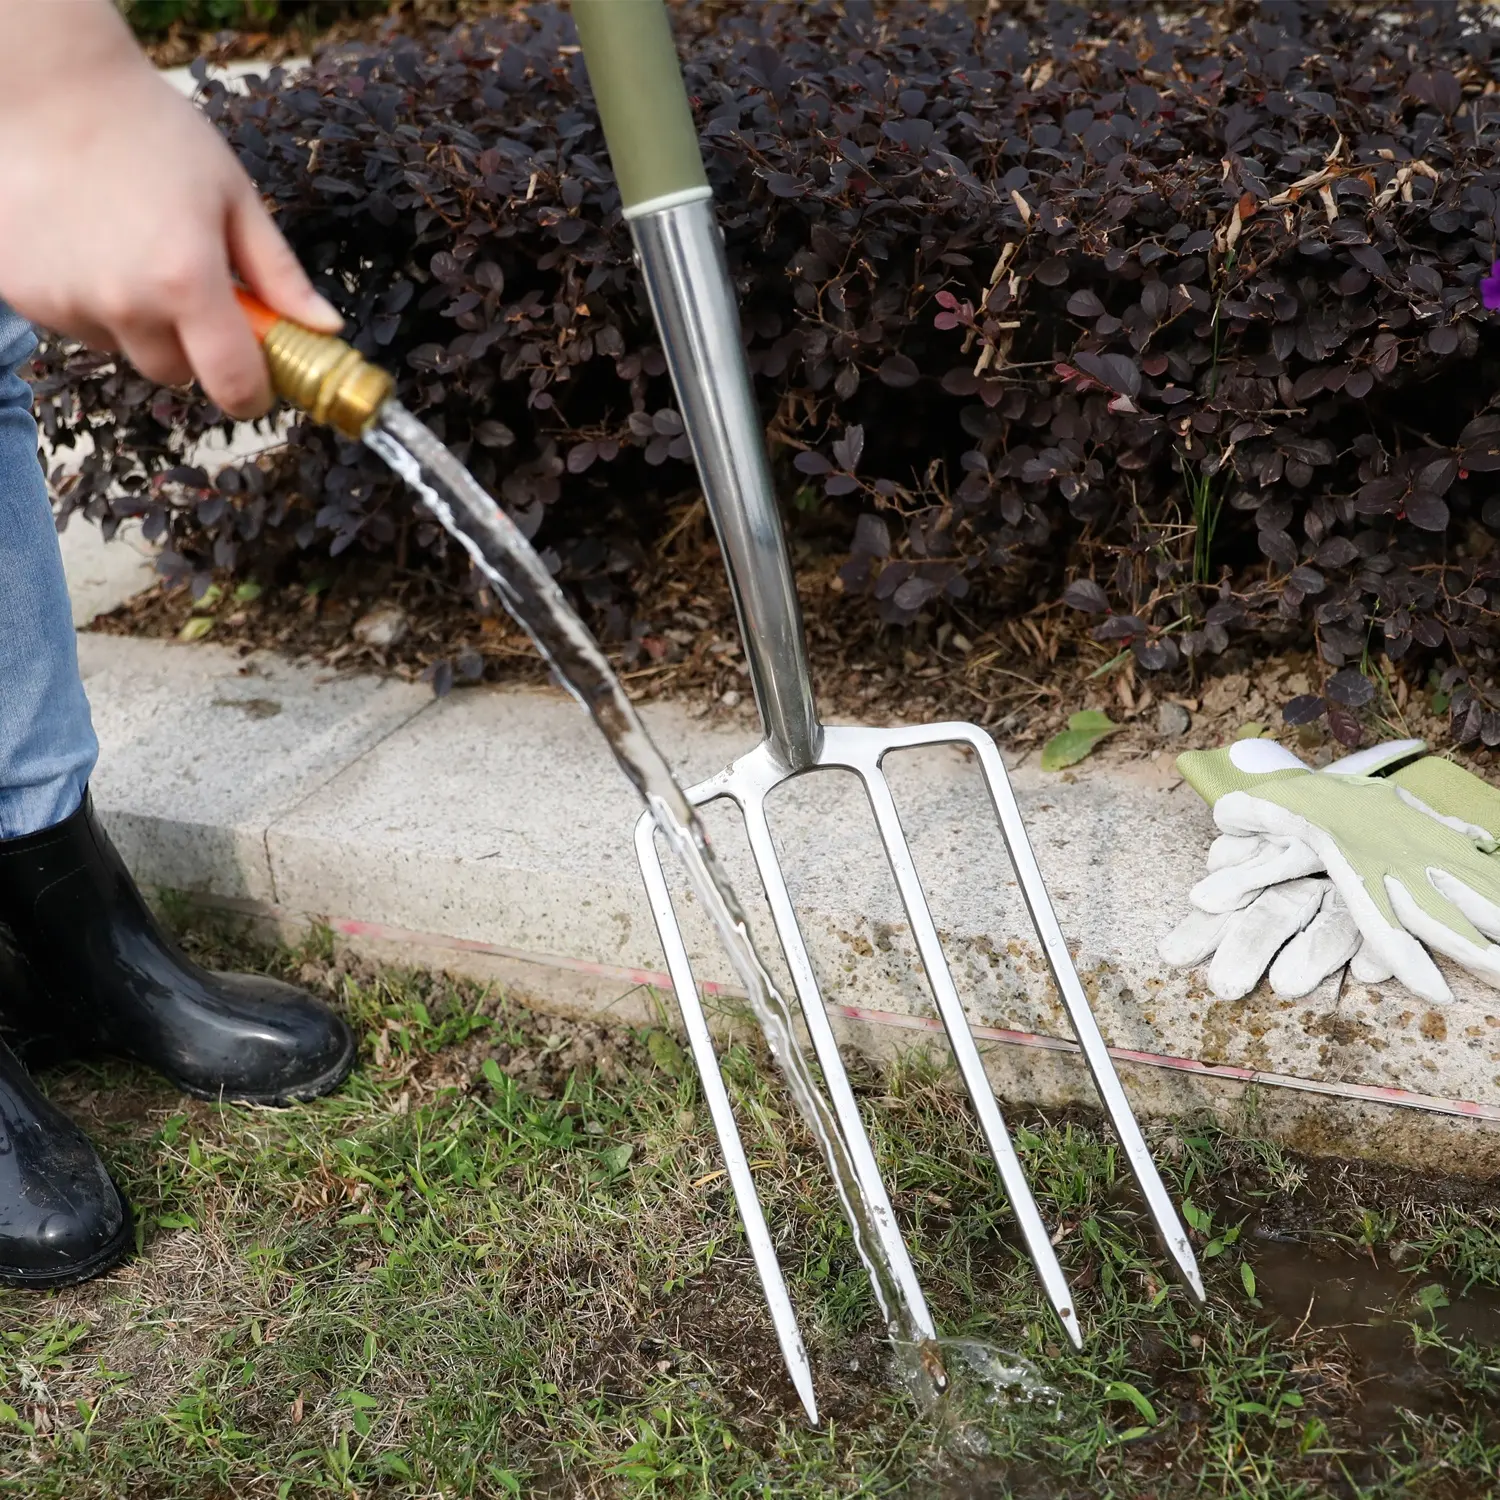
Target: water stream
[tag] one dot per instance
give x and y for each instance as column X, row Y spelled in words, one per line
column 528, row 591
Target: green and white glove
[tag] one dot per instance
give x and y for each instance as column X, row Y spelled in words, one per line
column 1266, row 905
column 1408, row 855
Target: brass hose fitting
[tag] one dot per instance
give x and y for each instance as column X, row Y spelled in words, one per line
column 325, row 377
column 318, row 372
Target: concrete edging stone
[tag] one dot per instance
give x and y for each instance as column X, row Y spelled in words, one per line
column 490, row 833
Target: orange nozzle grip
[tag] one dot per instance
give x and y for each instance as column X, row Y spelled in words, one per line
column 260, row 317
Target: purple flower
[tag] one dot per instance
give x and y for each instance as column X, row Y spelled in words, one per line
column 1489, row 288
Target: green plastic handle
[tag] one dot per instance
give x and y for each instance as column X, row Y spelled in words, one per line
column 632, row 63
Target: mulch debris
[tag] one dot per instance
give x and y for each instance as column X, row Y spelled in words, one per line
column 1019, row 675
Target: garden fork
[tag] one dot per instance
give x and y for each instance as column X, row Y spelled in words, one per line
column 653, row 145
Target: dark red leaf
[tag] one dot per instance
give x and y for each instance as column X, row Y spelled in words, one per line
column 872, row 537
column 1350, row 688
column 1306, row 709
column 914, row 593
column 1155, row 656
column 1435, row 476
column 1115, row 371
column 1278, row 546
column 1380, row 496
column 1119, row 628
column 1345, row 727
column 810, row 462
column 848, row 449
column 492, row 434
column 1427, row 512
column 1085, row 594
column 1467, row 717
column 898, row 371
column 1336, row 552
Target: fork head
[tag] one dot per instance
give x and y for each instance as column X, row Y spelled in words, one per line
column 747, row 783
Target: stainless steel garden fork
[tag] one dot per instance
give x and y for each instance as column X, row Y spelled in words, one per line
column 628, row 49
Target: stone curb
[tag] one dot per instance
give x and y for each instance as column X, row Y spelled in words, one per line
column 489, row 833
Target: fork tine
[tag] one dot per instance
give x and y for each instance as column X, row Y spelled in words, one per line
column 762, row 1250
column 835, row 1076
column 965, row 1050
column 1034, row 889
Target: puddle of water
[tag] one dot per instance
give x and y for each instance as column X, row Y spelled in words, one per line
column 1369, row 1305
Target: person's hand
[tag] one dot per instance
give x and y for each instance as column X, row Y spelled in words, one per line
column 124, row 212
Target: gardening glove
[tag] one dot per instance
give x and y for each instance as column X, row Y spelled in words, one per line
column 1408, row 873
column 1298, row 929
column 1450, row 791
column 1284, row 914
column 1245, row 866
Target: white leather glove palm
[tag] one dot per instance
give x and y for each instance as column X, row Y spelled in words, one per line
column 1295, row 932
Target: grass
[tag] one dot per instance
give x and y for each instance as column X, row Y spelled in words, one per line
column 1206, row 506
column 502, row 1262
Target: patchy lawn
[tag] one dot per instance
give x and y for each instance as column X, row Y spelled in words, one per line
column 503, row 1261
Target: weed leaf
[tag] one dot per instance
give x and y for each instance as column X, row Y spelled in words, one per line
column 1078, row 740
column 1122, row 1390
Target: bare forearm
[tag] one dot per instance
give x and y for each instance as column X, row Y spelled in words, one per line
column 61, row 45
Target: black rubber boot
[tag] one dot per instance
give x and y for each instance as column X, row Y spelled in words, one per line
column 100, row 976
column 61, row 1218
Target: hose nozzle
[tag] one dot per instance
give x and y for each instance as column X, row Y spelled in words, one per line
column 318, row 372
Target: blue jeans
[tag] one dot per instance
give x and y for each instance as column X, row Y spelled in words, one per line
column 47, row 744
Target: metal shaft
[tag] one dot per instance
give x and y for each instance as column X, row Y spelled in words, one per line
column 682, row 258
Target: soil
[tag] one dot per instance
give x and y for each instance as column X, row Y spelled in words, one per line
column 1020, row 676
column 1366, row 1302
column 182, row 44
